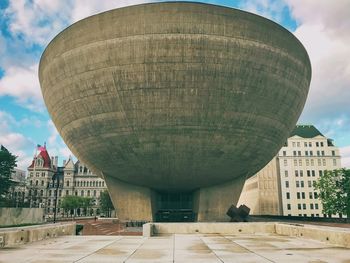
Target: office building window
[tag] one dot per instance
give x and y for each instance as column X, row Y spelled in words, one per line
column 321, row 144
column 310, row 195
column 315, row 195
column 301, row 183
column 298, row 195
column 316, row 206
column 317, row 144
column 310, row 144
column 311, row 153
column 308, row 172
column 304, row 206
column 285, row 162
column 287, row 184
column 286, row 173
column 296, row 173
column 305, row 144
column 299, row 206
column 295, row 163
column 312, row 206
column 299, row 153
column 306, row 153
column 307, row 162
column 294, row 153
column 300, row 162
column 309, row 184
column 301, row 173
column 333, row 153
column 313, row 173
column 297, row 184
column 303, row 195
column 322, row 152
column 288, row 207
column 324, row 162
column 288, row 195
column 320, row 173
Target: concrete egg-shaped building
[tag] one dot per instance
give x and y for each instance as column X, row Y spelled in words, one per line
column 175, row 104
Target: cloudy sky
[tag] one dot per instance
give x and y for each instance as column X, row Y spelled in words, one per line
column 27, row 26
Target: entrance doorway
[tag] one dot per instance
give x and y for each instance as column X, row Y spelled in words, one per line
column 175, row 207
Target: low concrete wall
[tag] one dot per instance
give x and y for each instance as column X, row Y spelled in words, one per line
column 332, row 235
column 17, row 216
column 207, row 228
column 21, row 235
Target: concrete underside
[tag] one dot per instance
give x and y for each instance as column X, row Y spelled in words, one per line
column 140, row 203
column 177, row 248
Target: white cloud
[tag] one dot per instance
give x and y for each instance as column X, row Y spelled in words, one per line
column 55, row 144
column 325, row 32
column 15, row 142
column 23, row 84
column 345, row 156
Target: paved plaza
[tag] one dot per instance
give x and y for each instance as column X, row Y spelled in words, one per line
column 177, row 248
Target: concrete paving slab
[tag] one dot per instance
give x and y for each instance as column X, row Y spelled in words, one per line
column 249, row 248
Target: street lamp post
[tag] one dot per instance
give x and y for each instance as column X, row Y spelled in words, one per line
column 55, row 178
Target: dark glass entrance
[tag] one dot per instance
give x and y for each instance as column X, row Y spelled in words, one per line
column 175, row 207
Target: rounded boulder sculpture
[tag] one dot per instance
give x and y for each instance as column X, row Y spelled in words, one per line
column 175, row 104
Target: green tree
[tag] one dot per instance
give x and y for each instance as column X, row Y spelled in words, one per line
column 334, row 188
column 7, row 164
column 70, row 202
column 106, row 203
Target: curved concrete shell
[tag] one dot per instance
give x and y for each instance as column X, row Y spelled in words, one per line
column 174, row 97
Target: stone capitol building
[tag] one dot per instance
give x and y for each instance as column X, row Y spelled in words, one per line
column 48, row 182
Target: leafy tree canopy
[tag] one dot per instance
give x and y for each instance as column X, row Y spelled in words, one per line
column 334, row 188
column 7, row 164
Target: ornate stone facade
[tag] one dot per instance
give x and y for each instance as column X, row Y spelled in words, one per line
column 48, row 183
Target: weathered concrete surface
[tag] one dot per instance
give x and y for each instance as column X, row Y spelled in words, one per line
column 16, row 216
column 182, row 248
column 175, row 96
column 211, row 203
column 20, row 235
column 332, row 235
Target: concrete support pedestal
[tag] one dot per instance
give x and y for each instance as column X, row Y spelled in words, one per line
column 131, row 202
column 212, row 203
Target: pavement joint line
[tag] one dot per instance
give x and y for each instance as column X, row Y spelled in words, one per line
column 173, row 248
column 110, row 243
column 127, row 258
column 251, row 251
column 212, row 250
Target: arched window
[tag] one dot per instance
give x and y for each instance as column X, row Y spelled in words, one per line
column 90, row 183
column 99, row 184
column 88, row 193
column 103, row 184
column 82, row 193
column 31, row 182
column 50, row 192
column 67, row 183
column 41, row 192
column 76, row 193
column 94, row 192
column 93, row 183
column 36, row 182
column 42, row 183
